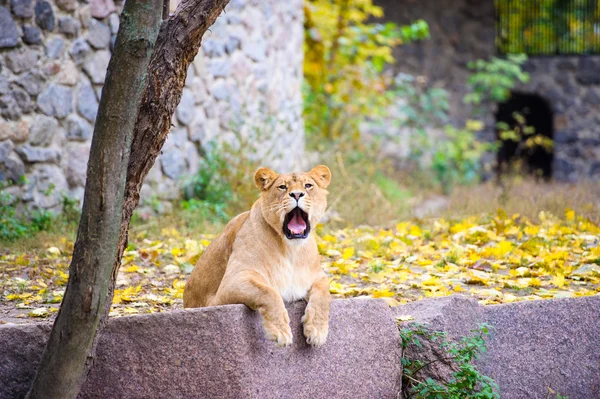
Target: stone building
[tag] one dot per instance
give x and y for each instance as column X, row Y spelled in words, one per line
column 53, row 57
column 563, row 94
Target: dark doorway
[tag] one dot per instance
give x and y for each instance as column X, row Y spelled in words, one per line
column 525, row 132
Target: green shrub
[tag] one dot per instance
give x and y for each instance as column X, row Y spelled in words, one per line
column 15, row 225
column 457, row 158
column 492, row 81
column 421, row 108
column 208, row 192
column 465, row 382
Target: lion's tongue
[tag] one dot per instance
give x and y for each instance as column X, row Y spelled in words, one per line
column 297, row 224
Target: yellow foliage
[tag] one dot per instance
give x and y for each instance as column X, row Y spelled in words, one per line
column 132, row 269
column 493, row 259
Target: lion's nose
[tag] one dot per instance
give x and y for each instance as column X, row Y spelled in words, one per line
column 297, row 195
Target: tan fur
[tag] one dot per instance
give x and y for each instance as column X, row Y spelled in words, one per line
column 253, row 263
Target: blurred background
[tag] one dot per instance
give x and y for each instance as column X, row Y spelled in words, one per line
column 421, row 108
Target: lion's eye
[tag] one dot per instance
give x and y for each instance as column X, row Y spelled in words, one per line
column 282, row 187
column 308, row 185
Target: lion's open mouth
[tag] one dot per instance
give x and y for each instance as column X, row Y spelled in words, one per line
column 296, row 224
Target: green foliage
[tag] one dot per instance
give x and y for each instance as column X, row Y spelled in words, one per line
column 465, row 382
column 492, row 81
column 457, row 158
column 15, row 225
column 71, row 212
column 12, row 227
column 454, row 157
column 521, row 132
column 207, row 192
column 421, row 105
column 345, row 55
column 41, row 220
column 421, row 108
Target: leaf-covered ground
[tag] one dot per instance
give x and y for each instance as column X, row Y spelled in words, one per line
column 494, row 258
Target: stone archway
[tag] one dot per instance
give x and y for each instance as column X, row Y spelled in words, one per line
column 532, row 158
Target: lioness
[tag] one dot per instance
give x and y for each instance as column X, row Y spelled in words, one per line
column 269, row 255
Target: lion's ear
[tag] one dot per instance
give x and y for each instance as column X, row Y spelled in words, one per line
column 264, row 177
column 321, row 174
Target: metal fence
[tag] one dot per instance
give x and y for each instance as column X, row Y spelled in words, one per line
column 548, row 27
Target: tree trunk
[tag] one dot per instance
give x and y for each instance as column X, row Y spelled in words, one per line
column 123, row 151
column 63, row 366
column 176, row 47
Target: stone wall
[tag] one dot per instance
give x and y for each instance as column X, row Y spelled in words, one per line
column 53, row 58
column 221, row 351
column 464, row 30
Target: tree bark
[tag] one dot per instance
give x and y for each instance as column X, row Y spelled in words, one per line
column 166, row 9
column 177, row 44
column 65, row 361
column 112, row 190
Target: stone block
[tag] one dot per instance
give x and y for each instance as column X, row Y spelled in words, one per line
column 113, row 22
column 534, row 345
column 55, row 48
column 22, row 8
column 14, row 167
column 46, row 185
column 173, row 162
column 9, row 35
column 588, row 71
column 213, row 47
column 80, row 50
column 75, row 163
column 87, row 102
column 15, row 368
column 6, row 130
column 69, row 74
column 22, row 61
column 543, row 344
column 33, row 82
column 6, row 148
column 22, row 99
column 9, row 107
column 42, row 130
column 69, row 26
column 38, row 154
column 186, row 108
column 96, row 66
column 98, row 35
column 20, row 133
column 44, row 15
column 78, row 129
column 220, row 352
column 102, row 8
column 32, row 34
column 66, row 5
column 220, row 67
column 56, row 100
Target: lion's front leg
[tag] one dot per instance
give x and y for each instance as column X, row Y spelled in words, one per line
column 316, row 315
column 249, row 288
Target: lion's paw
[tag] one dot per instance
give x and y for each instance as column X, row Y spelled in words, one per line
column 316, row 327
column 280, row 333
